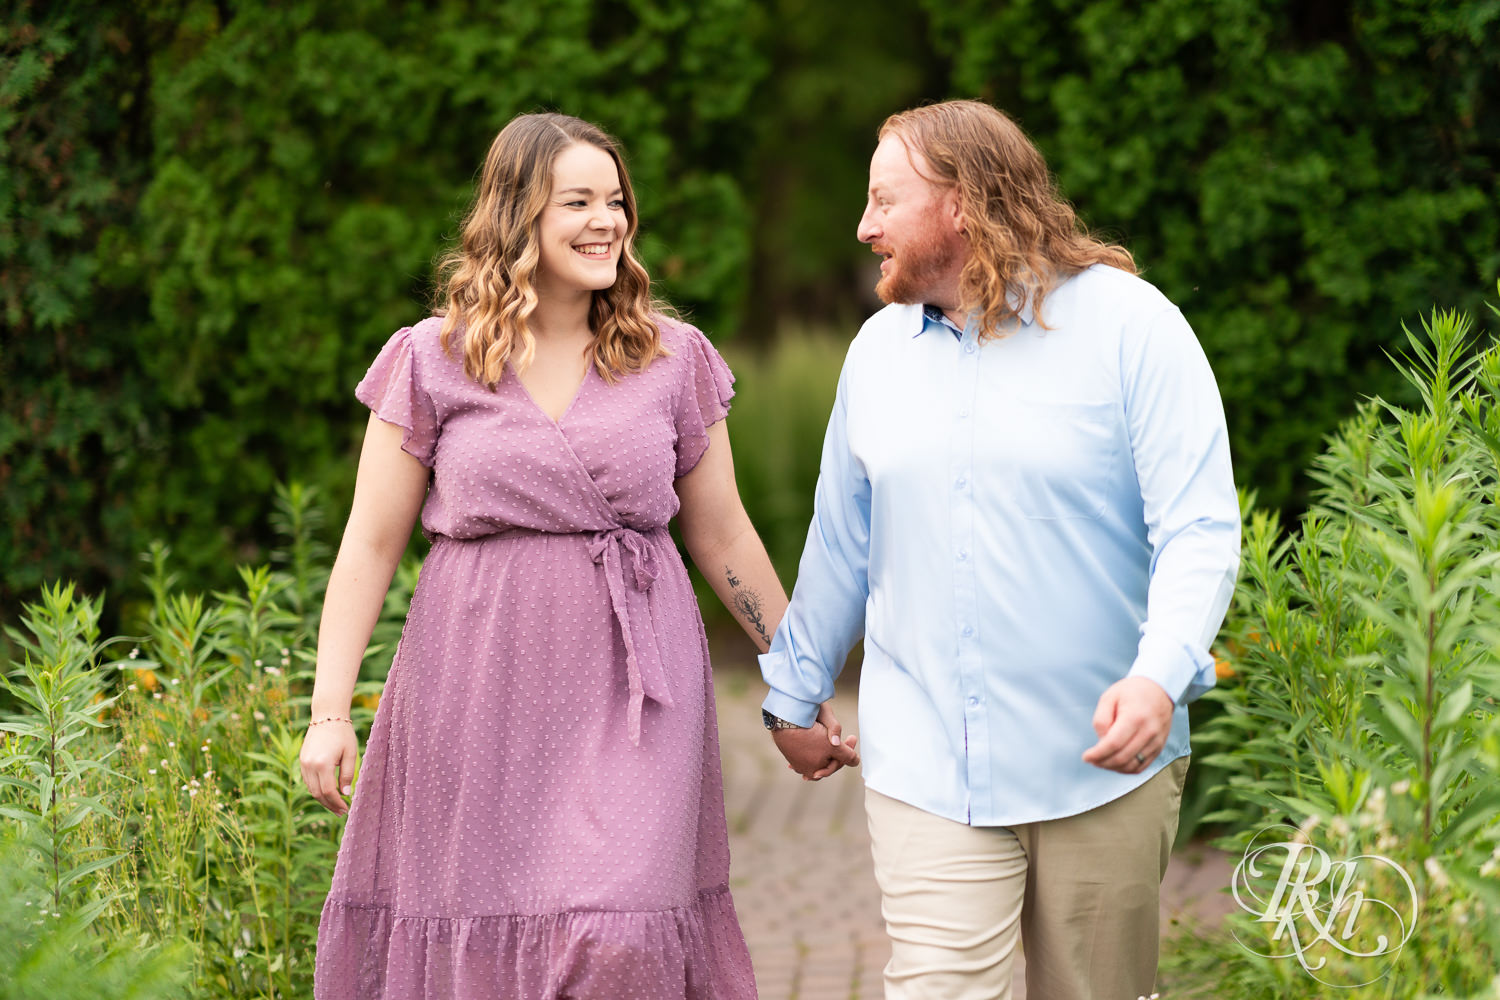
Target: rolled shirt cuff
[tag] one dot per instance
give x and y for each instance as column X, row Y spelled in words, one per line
column 1183, row 670
column 793, row 710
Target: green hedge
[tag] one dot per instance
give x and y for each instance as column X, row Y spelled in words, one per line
column 211, row 215
column 1291, row 174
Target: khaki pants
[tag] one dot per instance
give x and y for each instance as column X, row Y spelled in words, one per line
column 1082, row 893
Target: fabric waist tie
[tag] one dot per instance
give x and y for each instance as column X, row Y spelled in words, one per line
column 629, row 570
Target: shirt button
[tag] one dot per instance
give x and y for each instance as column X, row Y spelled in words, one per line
column 973, row 702
column 962, row 482
column 968, row 348
column 962, row 554
column 968, row 630
column 964, row 412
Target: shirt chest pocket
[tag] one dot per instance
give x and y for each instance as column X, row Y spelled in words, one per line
column 1057, row 460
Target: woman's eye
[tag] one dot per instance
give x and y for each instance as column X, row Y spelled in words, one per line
column 617, row 203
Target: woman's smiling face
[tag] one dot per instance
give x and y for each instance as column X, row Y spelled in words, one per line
column 582, row 229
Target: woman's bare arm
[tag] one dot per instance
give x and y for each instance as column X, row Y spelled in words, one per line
column 388, row 494
column 725, row 547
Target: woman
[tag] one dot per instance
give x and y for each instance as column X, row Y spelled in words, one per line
column 541, row 812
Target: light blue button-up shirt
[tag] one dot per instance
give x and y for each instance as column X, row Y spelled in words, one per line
column 1013, row 526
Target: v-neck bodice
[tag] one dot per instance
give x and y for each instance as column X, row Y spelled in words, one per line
column 577, row 391
column 500, row 462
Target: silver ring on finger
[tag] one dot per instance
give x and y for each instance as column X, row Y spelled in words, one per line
column 1140, row 758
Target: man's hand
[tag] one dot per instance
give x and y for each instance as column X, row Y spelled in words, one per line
column 1132, row 722
column 817, row 752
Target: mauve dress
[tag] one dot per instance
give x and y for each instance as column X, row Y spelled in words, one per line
column 540, row 811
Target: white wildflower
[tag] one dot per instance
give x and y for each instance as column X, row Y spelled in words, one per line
column 274, row 670
column 1401, row 787
column 1436, row 873
column 135, row 652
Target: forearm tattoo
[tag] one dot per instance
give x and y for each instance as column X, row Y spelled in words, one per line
column 748, row 605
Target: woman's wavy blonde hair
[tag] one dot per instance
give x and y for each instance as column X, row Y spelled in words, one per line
column 487, row 286
column 1023, row 236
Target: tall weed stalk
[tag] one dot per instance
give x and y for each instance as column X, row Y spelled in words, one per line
column 1361, row 710
column 171, row 808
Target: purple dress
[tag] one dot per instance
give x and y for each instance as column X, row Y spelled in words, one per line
column 540, row 811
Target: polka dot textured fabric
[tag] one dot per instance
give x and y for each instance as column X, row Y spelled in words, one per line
column 539, row 813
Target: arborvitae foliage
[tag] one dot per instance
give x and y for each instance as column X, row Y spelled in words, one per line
column 212, row 215
column 1293, row 175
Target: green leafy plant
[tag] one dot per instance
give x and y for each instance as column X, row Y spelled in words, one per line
column 1362, row 706
column 51, row 954
column 46, row 767
column 198, row 831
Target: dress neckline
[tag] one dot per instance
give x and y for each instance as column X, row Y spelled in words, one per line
column 555, row 421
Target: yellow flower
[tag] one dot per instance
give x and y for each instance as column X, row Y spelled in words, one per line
column 370, row 701
column 146, row 678
column 1222, row 670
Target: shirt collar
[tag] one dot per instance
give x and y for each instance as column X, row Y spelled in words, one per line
column 932, row 316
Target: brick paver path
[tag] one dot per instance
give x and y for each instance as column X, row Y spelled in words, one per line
column 801, row 874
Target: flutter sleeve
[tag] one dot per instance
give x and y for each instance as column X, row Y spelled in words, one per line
column 394, row 391
column 704, row 399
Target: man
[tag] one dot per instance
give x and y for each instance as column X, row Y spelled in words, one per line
column 1026, row 507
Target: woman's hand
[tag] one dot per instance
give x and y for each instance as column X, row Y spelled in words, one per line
column 330, row 754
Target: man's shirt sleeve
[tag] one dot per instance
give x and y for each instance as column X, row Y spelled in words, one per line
column 827, row 611
column 1180, row 446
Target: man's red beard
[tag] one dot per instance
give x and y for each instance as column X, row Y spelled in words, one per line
column 919, row 266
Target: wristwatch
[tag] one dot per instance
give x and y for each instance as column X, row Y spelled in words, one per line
column 773, row 722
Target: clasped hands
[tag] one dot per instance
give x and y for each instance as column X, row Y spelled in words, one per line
column 817, row 752
column 1132, row 721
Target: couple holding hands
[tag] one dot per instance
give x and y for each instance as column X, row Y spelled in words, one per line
column 1025, row 508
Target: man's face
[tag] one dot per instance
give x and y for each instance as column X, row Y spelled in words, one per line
column 912, row 224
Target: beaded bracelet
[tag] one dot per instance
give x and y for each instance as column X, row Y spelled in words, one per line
column 331, row 718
